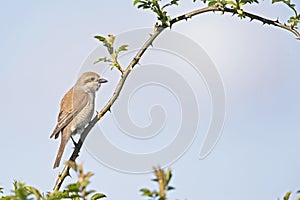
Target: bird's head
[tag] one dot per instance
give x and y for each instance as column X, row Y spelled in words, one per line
column 90, row 81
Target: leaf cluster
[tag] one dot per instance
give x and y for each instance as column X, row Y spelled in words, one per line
column 238, row 4
column 74, row 191
column 233, row 4
column 293, row 20
column 113, row 52
column 163, row 179
column 158, row 8
column 21, row 191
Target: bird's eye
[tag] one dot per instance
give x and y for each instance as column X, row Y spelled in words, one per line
column 92, row 79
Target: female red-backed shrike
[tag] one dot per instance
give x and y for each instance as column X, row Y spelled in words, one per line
column 76, row 109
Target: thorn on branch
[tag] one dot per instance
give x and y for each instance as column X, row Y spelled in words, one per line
column 136, row 60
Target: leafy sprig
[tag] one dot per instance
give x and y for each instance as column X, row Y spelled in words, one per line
column 114, row 53
column 156, row 7
column 75, row 191
column 163, row 179
column 293, row 20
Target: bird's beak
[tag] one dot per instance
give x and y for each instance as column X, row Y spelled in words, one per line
column 102, row 80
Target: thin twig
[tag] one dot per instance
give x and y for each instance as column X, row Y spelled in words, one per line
column 160, row 176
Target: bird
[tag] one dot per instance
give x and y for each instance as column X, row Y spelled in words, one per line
column 76, row 110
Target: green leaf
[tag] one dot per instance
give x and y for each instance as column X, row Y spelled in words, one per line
column 283, row 1
column 34, row 191
column 212, row 3
column 123, row 48
column 287, row 196
column 144, row 6
column 168, row 176
column 100, row 38
column 174, row 2
column 89, row 174
column 146, row 192
column 294, row 21
column 98, row 196
column 104, row 59
column 58, row 195
column 89, row 192
column 136, row 2
column 20, row 190
column 73, row 187
column 158, row 9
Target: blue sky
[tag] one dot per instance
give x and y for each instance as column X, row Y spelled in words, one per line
column 43, row 46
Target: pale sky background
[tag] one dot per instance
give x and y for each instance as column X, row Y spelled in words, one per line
column 42, row 47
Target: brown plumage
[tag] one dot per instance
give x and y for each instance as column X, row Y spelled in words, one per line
column 76, row 109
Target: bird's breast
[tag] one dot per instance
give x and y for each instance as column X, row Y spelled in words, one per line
column 85, row 115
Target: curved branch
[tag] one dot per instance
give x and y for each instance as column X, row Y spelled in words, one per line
column 234, row 11
column 157, row 30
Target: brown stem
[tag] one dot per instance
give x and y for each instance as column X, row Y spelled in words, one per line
column 160, row 176
column 116, row 63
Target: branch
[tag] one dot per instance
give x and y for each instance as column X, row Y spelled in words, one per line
column 234, row 11
column 61, row 177
column 157, row 30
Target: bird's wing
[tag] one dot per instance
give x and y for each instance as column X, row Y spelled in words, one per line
column 72, row 103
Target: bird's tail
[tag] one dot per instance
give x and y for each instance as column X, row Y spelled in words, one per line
column 60, row 151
